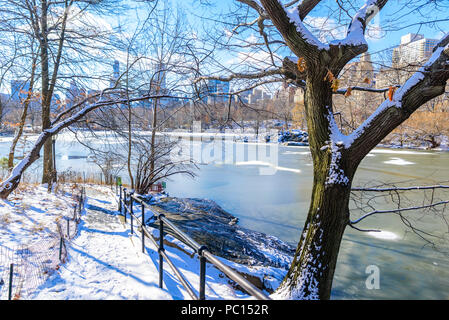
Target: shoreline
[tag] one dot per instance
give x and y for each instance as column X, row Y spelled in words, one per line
column 7, row 138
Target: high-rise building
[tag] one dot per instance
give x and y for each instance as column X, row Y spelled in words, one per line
column 218, row 91
column 412, row 53
column 255, row 96
column 74, row 93
column 160, row 80
column 19, row 90
column 358, row 73
column 243, row 96
column 115, row 74
column 116, row 69
column 413, row 50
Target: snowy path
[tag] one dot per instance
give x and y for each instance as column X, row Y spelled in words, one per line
column 104, row 261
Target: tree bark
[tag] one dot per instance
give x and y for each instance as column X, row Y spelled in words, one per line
column 153, row 138
column 312, row 270
column 311, row 273
column 47, row 172
column 48, row 85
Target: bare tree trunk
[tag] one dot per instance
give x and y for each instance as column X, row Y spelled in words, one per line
column 23, row 117
column 48, row 85
column 153, row 137
column 312, row 270
column 47, row 173
column 130, row 173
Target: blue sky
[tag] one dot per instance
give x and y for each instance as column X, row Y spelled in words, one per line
column 388, row 17
column 392, row 16
column 393, row 21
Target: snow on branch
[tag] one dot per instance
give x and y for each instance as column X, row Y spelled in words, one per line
column 294, row 17
column 11, row 182
column 433, row 74
column 401, row 188
column 284, row 18
column 355, row 35
column 440, row 203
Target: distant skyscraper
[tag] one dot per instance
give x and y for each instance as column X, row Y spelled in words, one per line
column 413, row 50
column 360, row 73
column 115, row 74
column 74, row 92
column 218, row 90
column 256, row 95
column 116, row 69
column 19, row 90
column 243, row 96
column 160, row 80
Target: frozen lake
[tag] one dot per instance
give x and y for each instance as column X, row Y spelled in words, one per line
column 276, row 203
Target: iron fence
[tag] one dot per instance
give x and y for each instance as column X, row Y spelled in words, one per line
column 126, row 201
column 24, row 268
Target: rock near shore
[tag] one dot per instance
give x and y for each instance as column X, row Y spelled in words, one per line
column 208, row 224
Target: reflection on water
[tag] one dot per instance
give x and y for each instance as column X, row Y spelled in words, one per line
column 277, row 204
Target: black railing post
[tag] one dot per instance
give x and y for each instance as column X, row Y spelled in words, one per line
column 143, row 226
column 60, row 248
column 161, row 249
column 11, row 274
column 120, row 200
column 202, row 290
column 125, row 203
column 131, row 200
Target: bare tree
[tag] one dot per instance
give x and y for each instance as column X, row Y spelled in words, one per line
column 63, row 120
column 316, row 67
column 156, row 63
column 415, row 206
column 23, row 117
column 62, row 30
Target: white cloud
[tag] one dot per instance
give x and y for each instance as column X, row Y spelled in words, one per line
column 324, row 28
column 255, row 59
column 327, row 29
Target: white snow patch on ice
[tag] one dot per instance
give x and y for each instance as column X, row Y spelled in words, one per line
column 386, row 151
column 266, row 164
column 384, row 235
column 398, row 162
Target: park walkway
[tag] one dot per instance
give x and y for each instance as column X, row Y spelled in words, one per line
column 104, row 262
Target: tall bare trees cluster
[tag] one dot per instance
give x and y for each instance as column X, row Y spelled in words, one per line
column 158, row 57
column 54, row 43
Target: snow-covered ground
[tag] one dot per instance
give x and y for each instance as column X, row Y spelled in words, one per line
column 29, row 235
column 104, row 261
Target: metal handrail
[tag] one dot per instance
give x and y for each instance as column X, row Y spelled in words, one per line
column 162, row 252
column 202, row 251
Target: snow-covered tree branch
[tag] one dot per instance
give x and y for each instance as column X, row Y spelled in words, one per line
column 11, row 182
